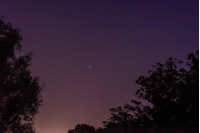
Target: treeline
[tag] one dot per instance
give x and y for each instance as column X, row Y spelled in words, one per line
column 173, row 92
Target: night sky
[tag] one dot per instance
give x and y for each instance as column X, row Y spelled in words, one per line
column 89, row 53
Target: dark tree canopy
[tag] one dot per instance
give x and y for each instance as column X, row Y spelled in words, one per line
column 20, row 93
column 82, row 128
column 173, row 92
column 130, row 118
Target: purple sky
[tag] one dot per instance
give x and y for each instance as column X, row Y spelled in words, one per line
column 119, row 39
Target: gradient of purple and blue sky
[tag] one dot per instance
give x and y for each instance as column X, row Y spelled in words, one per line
column 119, row 39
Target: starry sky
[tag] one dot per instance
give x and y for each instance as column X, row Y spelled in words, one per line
column 89, row 53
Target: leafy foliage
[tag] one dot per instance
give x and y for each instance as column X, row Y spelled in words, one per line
column 173, row 92
column 20, row 93
column 82, row 128
column 174, row 95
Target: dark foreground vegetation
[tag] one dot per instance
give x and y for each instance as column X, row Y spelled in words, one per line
column 173, row 92
column 20, row 93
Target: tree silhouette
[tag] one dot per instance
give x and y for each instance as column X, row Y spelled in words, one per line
column 20, row 93
column 119, row 121
column 174, row 96
column 100, row 130
column 71, row 131
column 132, row 118
column 173, row 92
column 82, row 128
